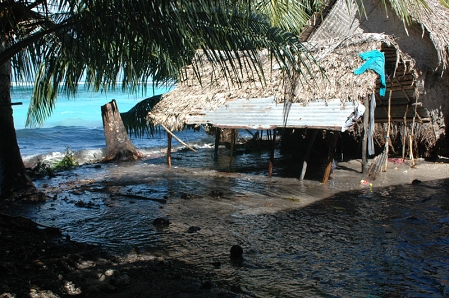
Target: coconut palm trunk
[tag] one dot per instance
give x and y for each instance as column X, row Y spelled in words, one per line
column 14, row 182
column 118, row 144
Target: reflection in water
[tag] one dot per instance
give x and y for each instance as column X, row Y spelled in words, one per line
column 388, row 242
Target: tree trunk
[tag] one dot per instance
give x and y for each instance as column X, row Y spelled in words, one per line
column 14, row 182
column 118, row 144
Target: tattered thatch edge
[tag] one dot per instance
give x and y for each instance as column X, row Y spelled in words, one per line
column 435, row 21
column 337, row 59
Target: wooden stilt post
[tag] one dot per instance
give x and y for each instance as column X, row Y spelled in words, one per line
column 169, row 138
column 330, row 157
column 273, row 146
column 306, row 157
column 365, row 135
column 232, row 147
column 217, row 141
column 387, row 141
column 412, row 135
column 404, row 137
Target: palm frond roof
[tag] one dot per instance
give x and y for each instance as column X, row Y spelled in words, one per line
column 332, row 79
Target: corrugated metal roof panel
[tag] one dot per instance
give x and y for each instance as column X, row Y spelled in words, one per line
column 265, row 113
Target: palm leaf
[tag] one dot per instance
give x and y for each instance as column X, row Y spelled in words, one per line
column 135, row 119
column 132, row 42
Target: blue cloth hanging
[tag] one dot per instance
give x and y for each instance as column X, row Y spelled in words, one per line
column 375, row 60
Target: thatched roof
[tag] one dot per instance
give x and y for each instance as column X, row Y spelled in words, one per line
column 435, row 21
column 338, row 60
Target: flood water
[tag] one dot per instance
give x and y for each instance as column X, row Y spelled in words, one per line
column 300, row 238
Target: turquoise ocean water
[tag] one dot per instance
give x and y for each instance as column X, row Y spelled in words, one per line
column 82, row 110
column 76, row 124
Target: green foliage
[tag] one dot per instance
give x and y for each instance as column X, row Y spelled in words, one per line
column 57, row 44
column 445, row 3
column 67, row 162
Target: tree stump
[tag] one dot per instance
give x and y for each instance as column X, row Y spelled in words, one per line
column 118, row 144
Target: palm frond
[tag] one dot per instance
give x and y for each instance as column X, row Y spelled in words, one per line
column 134, row 41
column 135, row 120
column 290, row 15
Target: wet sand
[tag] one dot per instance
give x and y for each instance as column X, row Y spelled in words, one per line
column 268, row 216
column 397, row 173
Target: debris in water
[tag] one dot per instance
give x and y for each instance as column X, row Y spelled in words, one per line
column 236, row 251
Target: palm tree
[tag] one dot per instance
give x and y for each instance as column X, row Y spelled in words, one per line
column 56, row 44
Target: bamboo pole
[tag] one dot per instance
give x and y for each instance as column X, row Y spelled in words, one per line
column 412, row 134
column 387, row 138
column 404, row 139
column 178, row 139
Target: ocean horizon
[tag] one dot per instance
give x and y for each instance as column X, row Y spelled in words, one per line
column 76, row 125
column 82, row 110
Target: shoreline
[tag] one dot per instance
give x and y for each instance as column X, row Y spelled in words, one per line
column 40, row 263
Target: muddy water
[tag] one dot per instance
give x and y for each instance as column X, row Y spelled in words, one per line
column 300, row 239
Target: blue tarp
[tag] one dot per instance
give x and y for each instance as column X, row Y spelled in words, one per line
column 375, row 60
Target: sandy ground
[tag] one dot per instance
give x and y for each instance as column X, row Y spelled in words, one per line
column 398, row 172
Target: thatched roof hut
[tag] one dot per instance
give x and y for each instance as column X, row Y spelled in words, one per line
column 337, row 82
column 426, row 42
column 416, row 59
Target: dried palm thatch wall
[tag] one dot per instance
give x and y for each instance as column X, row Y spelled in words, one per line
column 426, row 42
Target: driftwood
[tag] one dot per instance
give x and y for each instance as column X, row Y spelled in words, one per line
column 132, row 196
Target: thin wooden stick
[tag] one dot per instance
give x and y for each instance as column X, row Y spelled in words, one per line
column 270, row 163
column 232, row 148
column 387, row 141
column 169, row 136
column 178, row 139
column 412, row 135
column 404, row 139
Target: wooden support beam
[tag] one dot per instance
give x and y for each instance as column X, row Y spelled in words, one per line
column 403, row 91
column 178, row 139
column 232, row 148
column 273, row 146
column 169, row 139
column 217, row 141
column 306, row 157
column 330, row 157
column 387, row 141
column 404, row 138
column 366, row 103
